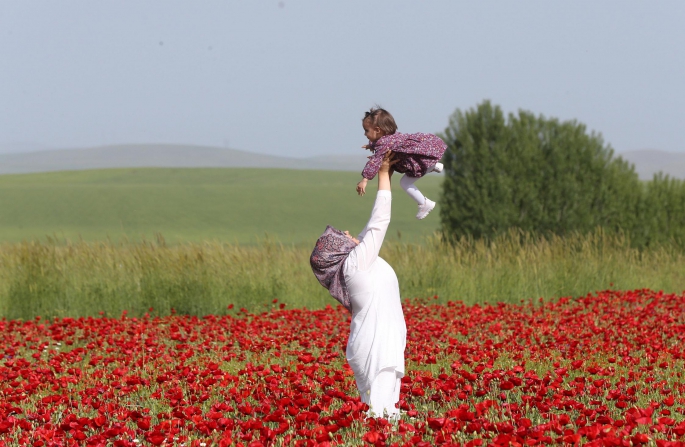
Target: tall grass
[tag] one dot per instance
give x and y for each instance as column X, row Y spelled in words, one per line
column 86, row 278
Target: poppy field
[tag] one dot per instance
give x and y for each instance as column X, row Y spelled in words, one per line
column 604, row 370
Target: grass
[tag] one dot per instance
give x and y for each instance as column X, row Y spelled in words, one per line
column 86, row 278
column 243, row 237
column 194, row 205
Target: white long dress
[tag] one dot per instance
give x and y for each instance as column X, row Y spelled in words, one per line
column 378, row 333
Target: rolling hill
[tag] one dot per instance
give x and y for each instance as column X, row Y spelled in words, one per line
column 647, row 162
column 166, row 156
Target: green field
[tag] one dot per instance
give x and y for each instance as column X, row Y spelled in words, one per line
column 193, row 205
column 215, row 222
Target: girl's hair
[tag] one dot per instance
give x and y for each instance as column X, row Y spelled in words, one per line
column 381, row 118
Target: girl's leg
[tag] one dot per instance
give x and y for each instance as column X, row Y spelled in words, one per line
column 425, row 205
column 407, row 183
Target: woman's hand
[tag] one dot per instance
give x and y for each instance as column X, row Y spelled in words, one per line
column 385, row 171
column 389, row 159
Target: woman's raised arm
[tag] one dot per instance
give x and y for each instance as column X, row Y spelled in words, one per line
column 385, row 171
column 371, row 238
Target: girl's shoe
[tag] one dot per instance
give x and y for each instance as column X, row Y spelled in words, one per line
column 426, row 208
column 437, row 168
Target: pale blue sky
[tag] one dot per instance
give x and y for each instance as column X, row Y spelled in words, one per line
column 295, row 78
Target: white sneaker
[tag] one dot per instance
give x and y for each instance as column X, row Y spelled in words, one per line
column 437, row 168
column 426, row 208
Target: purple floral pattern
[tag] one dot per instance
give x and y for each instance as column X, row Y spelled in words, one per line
column 417, row 153
column 327, row 260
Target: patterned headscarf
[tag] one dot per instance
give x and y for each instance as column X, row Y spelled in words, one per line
column 327, row 260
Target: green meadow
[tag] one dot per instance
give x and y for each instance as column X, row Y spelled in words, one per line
column 242, row 206
column 195, row 241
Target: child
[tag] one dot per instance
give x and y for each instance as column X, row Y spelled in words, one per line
column 417, row 154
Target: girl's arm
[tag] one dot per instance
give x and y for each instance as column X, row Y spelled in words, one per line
column 361, row 186
column 373, row 166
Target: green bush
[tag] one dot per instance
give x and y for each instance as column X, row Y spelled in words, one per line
column 549, row 177
column 660, row 213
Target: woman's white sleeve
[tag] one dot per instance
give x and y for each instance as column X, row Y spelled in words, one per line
column 371, row 238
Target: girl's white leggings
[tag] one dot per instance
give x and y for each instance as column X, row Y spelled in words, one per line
column 384, row 394
column 407, row 183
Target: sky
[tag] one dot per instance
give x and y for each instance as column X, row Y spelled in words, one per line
column 294, row 77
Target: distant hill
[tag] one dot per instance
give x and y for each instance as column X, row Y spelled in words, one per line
column 165, row 156
column 16, row 147
column 650, row 161
column 647, row 162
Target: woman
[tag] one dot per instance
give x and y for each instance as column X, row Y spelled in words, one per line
column 367, row 286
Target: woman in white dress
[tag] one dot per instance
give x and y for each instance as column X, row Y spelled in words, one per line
column 367, row 286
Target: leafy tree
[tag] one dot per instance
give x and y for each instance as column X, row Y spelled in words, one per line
column 533, row 173
column 660, row 214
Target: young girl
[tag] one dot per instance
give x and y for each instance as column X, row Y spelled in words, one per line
column 417, row 154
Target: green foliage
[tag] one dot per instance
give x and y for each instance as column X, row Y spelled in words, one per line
column 550, row 177
column 86, row 278
column 660, row 213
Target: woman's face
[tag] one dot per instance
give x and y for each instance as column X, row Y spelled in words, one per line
column 347, row 233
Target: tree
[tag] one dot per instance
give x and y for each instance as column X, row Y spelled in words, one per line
column 532, row 173
column 660, row 214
